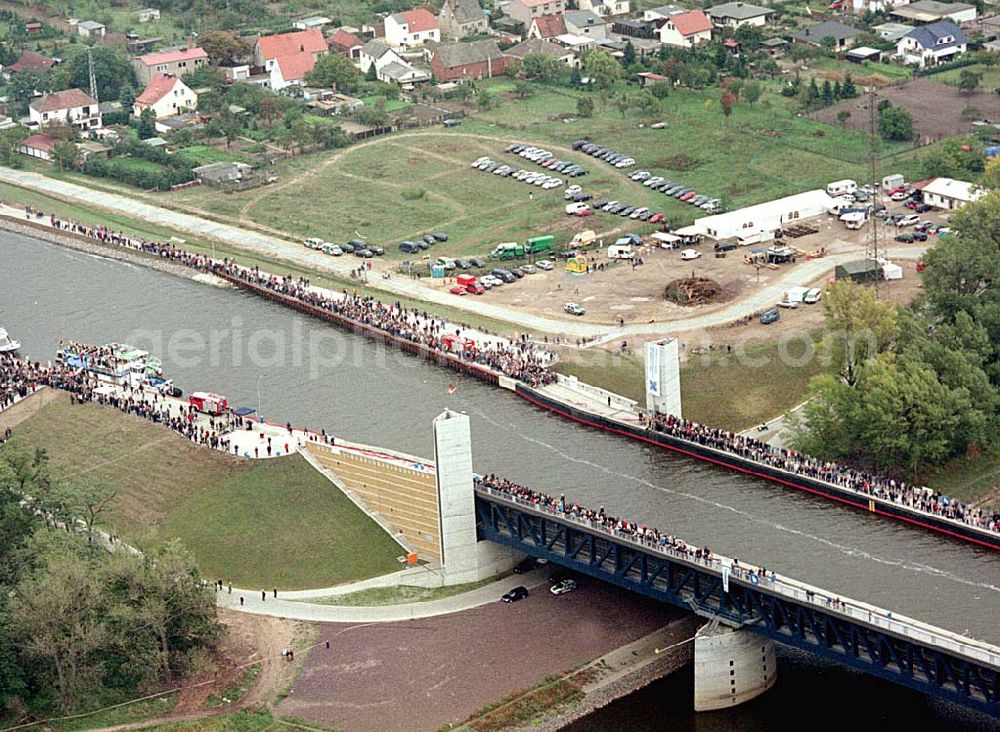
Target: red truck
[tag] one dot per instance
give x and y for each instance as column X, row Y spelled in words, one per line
column 208, row 403
column 470, row 283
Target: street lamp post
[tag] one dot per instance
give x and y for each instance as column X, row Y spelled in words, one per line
column 259, row 416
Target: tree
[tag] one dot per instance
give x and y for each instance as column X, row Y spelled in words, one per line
column 112, row 71
column 371, row 74
column 728, row 101
column 65, row 155
column 127, row 99
column 847, row 88
column 147, row 123
column 895, row 123
column 541, row 67
column 829, row 43
column 813, row 96
column 523, row 89
column 858, row 327
column 826, row 93
column 968, row 80
column 585, row 107
column 660, row 89
column 842, row 117
column 22, row 88
column 334, row 70
column 224, row 47
column 628, row 55
column 749, row 36
column 602, row 67
column 647, row 104
column 752, row 92
column 486, row 100
column 956, row 157
column 269, row 107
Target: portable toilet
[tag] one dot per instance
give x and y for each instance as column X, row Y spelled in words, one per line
column 437, row 270
column 577, row 265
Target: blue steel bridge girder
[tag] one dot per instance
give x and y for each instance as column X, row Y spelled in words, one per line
column 685, row 583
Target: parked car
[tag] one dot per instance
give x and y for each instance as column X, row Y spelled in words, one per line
column 451, row 122
column 458, row 290
column 477, row 262
column 905, row 238
column 347, row 247
column 528, row 268
column 786, row 303
column 463, row 263
column 518, row 593
column 908, row 220
column 409, row 247
column 573, row 309
column 525, row 565
column 545, row 264
column 562, row 587
column 640, row 175
column 689, row 254
column 770, row 316
column 657, row 218
column 923, row 208
column 440, row 236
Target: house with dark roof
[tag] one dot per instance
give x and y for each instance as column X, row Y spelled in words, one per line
column 166, row 95
column 29, row 62
column 843, row 35
column 585, row 23
column 345, row 43
column 547, row 26
column 412, row 28
column 177, row 62
column 735, row 15
column 542, row 47
column 931, row 11
column 686, row 29
column 461, row 18
column 72, row 107
column 464, row 61
column 933, row 44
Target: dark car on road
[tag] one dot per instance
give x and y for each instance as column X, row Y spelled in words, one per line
column 518, row 593
column 525, row 566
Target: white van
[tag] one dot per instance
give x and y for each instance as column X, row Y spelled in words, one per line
column 841, row 187
column 620, row 251
column 575, row 208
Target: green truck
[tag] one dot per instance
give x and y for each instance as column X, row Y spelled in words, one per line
column 509, row 250
column 539, row 244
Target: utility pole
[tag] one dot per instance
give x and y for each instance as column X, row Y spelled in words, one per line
column 875, row 242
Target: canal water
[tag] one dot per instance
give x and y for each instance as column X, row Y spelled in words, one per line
column 297, row 369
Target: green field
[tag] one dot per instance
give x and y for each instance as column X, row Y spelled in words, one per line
column 196, row 155
column 301, row 530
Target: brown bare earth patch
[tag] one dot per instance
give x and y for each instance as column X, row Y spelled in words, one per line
column 678, row 162
column 936, row 108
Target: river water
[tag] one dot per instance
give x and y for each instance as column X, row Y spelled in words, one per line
column 301, row 370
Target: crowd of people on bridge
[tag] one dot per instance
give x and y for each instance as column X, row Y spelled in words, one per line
column 519, row 359
column 916, row 497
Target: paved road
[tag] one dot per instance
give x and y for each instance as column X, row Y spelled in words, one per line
column 290, row 250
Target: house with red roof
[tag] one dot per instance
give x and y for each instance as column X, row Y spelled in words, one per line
column 346, row 44
column 166, row 95
column 30, row 62
column 525, row 11
column 412, row 28
column 37, row 146
column 178, row 61
column 72, row 107
column 547, row 26
column 686, row 29
column 290, row 70
column 268, row 48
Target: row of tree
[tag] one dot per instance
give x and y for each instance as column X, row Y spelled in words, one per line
column 917, row 386
column 78, row 622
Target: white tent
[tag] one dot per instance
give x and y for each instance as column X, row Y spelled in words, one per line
column 892, row 271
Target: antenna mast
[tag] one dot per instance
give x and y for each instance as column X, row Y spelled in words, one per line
column 93, row 78
column 875, row 242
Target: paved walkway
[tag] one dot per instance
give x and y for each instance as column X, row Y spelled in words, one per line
column 413, row 289
column 281, row 607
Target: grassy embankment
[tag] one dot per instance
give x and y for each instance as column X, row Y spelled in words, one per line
column 377, row 596
column 300, row 530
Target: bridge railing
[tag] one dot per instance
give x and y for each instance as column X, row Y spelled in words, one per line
column 799, row 591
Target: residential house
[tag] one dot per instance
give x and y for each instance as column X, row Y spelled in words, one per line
column 930, row 45
column 464, row 61
column 345, row 43
column 775, row 47
column 72, row 106
column 686, row 29
column 543, row 47
column 90, row 29
column 547, row 26
column 634, row 28
column 461, row 18
column 412, row 28
column 738, row 14
column 526, row 11
column 30, row 62
column 267, row 48
column 217, row 174
column 948, row 193
column 891, row 32
column 290, row 70
column 931, row 11
column 317, row 21
column 576, row 43
column 166, row 95
column 38, row 146
column 234, row 71
column 843, row 35
column 605, row 8
column 585, row 23
column 176, row 62
column 148, row 15
column 390, row 67
column 662, row 13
